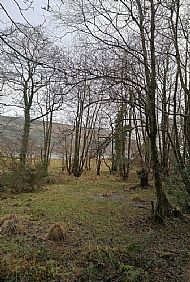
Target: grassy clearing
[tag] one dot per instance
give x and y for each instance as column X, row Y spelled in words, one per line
column 109, row 236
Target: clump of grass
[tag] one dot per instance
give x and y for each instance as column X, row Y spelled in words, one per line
column 56, row 233
column 12, row 225
column 9, row 227
column 4, row 218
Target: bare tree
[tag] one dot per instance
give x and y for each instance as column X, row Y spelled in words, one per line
column 115, row 24
column 25, row 77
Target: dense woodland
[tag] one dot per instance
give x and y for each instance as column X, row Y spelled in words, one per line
column 111, row 97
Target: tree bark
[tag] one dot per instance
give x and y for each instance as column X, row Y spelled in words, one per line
column 25, row 136
column 162, row 205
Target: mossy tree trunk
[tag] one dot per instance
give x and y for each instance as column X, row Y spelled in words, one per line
column 78, row 129
column 120, row 142
column 27, row 122
column 47, row 128
column 163, row 206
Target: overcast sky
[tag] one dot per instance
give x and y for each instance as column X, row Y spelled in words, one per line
column 34, row 15
column 37, row 14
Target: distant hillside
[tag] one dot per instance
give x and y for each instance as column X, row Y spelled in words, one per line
column 11, row 133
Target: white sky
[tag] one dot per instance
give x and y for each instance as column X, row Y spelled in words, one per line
column 35, row 15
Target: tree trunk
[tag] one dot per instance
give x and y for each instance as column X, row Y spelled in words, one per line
column 47, row 126
column 120, row 140
column 99, row 161
column 162, row 205
column 76, row 161
column 25, row 136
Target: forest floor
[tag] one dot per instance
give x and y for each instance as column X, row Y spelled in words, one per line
column 108, row 234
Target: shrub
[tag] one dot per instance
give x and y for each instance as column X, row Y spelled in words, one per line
column 19, row 178
column 176, row 189
column 108, row 264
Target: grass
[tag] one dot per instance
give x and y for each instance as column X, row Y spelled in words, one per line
column 109, row 236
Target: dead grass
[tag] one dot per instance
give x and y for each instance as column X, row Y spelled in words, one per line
column 56, row 233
